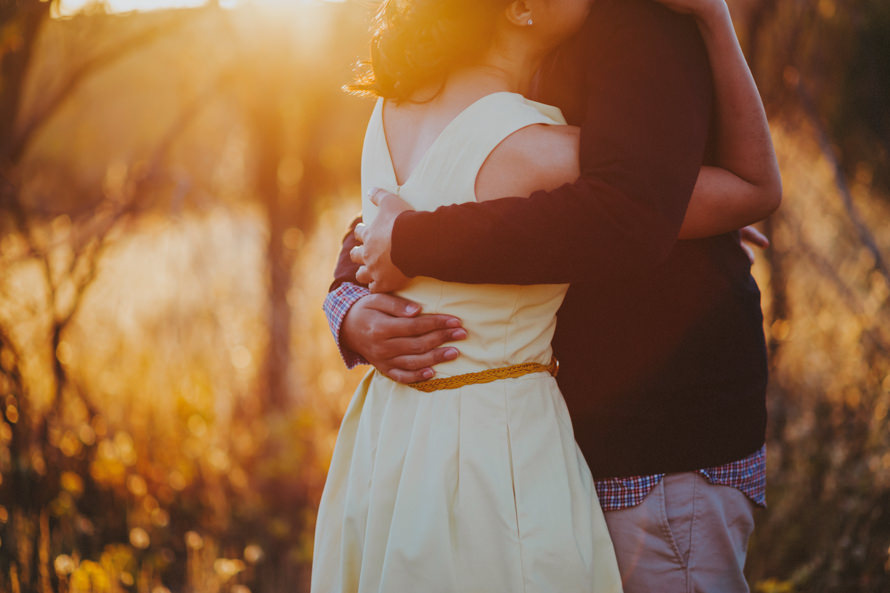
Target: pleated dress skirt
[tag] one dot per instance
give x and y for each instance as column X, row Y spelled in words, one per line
column 476, row 489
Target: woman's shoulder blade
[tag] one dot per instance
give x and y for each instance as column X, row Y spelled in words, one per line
column 535, row 157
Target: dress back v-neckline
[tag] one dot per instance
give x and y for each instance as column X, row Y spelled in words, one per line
column 446, row 131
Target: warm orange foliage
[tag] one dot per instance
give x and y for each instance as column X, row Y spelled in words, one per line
column 142, row 445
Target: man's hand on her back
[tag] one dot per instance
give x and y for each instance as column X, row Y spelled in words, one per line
column 391, row 334
column 375, row 249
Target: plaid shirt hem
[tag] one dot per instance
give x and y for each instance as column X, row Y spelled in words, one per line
column 336, row 305
column 747, row 475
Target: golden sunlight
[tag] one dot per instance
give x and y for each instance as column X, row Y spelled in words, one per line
column 70, row 7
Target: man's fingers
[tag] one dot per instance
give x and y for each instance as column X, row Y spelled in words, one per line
column 359, row 232
column 410, row 369
column 363, row 276
column 377, row 195
column 391, row 201
column 394, row 306
column 421, row 325
column 357, row 255
column 403, row 376
column 429, row 359
column 420, row 345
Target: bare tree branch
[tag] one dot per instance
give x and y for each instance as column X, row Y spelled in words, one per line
column 24, row 19
column 20, row 140
column 847, row 296
column 840, row 179
column 90, row 254
column 134, row 205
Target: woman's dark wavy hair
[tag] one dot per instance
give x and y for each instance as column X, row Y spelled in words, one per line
column 416, row 43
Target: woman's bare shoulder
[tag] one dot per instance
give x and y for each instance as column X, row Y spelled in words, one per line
column 537, row 157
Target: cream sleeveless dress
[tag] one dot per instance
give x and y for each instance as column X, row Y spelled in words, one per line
column 480, row 489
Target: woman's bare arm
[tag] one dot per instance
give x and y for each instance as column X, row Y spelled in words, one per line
column 746, row 186
column 723, row 202
column 538, row 157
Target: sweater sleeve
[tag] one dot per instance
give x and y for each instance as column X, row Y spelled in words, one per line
column 343, row 293
column 346, row 269
column 645, row 121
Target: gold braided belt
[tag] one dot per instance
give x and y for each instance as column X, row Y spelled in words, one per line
column 487, row 376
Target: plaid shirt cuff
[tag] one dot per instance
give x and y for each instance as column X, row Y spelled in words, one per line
column 336, row 305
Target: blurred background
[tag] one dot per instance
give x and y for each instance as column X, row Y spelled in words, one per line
column 175, row 178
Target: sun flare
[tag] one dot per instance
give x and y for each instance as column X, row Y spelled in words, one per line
column 70, row 7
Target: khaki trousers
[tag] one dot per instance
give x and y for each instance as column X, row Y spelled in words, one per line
column 687, row 536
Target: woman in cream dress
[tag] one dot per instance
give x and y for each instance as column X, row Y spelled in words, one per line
column 480, row 487
column 473, row 486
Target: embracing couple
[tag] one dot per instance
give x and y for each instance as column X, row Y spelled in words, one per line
column 464, row 462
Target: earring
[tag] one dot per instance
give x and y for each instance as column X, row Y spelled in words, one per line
column 530, row 22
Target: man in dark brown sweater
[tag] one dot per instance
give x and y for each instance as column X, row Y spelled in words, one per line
column 660, row 341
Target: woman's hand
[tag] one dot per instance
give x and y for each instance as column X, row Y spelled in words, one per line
column 749, row 237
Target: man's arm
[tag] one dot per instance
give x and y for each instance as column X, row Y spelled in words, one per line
column 383, row 330
column 643, row 136
column 337, row 304
column 346, row 269
column 343, row 293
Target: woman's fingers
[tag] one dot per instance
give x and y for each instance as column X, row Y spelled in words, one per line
column 755, row 237
column 750, row 236
column 749, row 251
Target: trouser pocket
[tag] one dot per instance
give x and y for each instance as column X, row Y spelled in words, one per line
column 678, row 499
